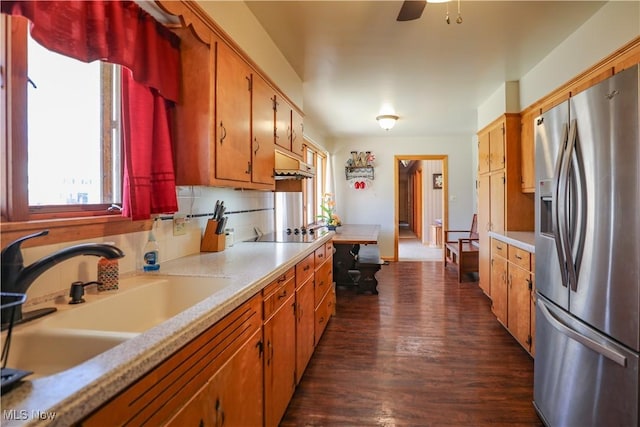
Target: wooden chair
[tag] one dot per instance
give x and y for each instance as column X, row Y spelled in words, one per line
column 462, row 252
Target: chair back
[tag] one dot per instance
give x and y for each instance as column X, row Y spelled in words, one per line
column 473, row 233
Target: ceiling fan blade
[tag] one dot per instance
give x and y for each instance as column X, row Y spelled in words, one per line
column 411, row 9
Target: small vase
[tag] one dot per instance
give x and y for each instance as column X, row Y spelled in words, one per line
column 332, row 227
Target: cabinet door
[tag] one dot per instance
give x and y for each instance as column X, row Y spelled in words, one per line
column 527, row 164
column 499, row 291
column 496, row 148
column 283, row 123
column 193, row 115
column 197, row 412
column 280, row 362
column 241, row 387
column 305, row 342
column 519, row 316
column 263, row 124
column 483, row 153
column 484, row 222
column 233, row 113
column 497, row 198
column 297, row 130
column 533, row 315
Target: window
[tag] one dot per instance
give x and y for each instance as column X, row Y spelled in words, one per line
column 61, row 140
column 72, row 131
column 314, row 187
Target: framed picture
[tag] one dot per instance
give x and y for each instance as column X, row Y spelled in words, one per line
column 437, row 181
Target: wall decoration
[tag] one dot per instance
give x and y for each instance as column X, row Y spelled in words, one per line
column 359, row 171
column 437, row 181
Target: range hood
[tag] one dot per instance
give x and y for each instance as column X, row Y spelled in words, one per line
column 288, row 167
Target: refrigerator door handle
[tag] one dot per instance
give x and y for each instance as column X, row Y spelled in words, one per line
column 567, row 204
column 558, row 213
column 578, row 206
column 605, row 351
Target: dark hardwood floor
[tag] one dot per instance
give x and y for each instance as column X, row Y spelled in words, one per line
column 426, row 351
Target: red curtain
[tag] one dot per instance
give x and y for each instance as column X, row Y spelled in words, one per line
column 120, row 32
column 148, row 160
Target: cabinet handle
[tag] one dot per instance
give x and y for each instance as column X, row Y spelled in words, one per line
column 306, row 267
column 283, row 294
column 282, row 278
column 248, row 171
column 269, row 353
column 255, row 152
column 498, row 247
column 518, row 256
column 321, row 321
column 223, row 133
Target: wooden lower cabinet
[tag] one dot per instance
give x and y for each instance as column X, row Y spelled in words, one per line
column 232, row 397
column 280, row 351
column 513, row 291
column 305, row 338
column 217, row 374
column 243, row 370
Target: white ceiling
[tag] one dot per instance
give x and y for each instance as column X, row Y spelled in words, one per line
column 355, row 59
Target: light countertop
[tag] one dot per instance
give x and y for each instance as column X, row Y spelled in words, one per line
column 67, row 397
column 357, row 233
column 522, row 239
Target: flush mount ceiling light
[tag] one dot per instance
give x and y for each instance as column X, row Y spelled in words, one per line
column 387, row 121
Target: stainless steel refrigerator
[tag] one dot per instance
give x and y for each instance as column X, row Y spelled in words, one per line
column 587, row 238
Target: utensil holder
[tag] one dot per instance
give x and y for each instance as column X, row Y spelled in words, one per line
column 212, row 242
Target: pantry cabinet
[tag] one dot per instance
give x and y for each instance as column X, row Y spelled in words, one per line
column 217, row 375
column 502, row 205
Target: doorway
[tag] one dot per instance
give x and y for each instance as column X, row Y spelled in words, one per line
column 421, row 206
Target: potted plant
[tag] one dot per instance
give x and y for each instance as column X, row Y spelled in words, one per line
column 328, row 209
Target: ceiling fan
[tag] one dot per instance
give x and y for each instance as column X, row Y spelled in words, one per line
column 412, row 9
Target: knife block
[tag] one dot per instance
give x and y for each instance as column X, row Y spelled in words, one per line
column 212, row 242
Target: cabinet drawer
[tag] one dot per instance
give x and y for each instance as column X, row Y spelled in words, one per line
column 520, row 257
column 320, row 256
column 499, row 247
column 277, row 283
column 323, row 281
column 328, row 249
column 304, row 269
column 323, row 314
column 278, row 295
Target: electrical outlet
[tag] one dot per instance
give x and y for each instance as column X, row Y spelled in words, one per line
column 179, row 225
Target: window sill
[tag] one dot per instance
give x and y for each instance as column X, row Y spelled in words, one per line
column 70, row 229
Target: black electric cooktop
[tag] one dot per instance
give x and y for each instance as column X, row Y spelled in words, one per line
column 292, row 236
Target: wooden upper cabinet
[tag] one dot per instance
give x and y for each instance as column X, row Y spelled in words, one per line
column 528, row 155
column 262, row 127
column 491, row 148
column 289, row 127
column 283, row 123
column 233, row 116
column 496, row 148
column 297, row 131
column 483, row 153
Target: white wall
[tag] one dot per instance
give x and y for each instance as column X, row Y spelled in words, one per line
column 615, row 24
column 432, row 202
column 376, row 204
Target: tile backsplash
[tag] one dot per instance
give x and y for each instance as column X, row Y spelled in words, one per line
column 246, row 209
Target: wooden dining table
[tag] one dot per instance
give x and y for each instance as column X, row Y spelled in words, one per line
column 347, row 242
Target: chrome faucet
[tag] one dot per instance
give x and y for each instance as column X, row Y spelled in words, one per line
column 16, row 278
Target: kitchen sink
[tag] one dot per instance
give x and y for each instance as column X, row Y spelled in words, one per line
column 76, row 333
column 139, row 308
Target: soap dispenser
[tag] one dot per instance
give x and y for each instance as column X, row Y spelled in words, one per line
column 151, row 252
